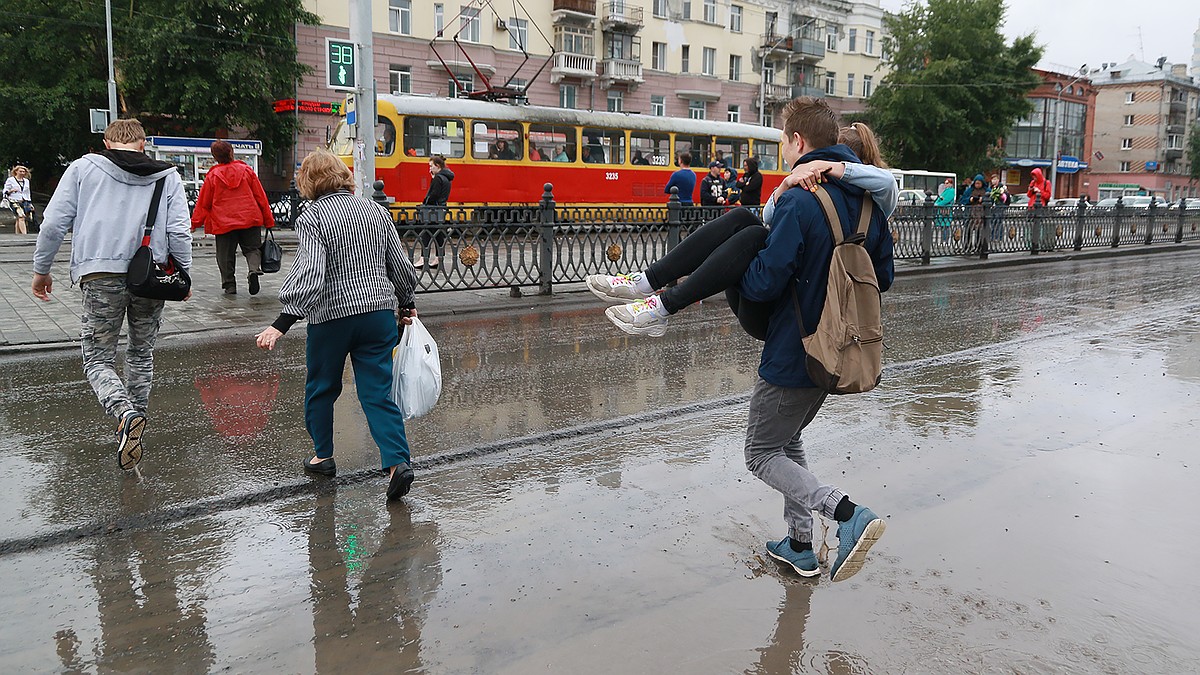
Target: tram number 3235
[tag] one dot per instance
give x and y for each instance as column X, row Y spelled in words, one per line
column 611, row 175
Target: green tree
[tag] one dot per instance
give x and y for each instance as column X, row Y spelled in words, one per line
column 956, row 87
column 195, row 68
column 1193, row 153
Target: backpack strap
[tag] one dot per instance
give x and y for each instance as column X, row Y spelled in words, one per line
column 864, row 216
column 831, row 214
column 152, row 214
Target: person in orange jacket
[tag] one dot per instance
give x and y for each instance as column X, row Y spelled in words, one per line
column 233, row 206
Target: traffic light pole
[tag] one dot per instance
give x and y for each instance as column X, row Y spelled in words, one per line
column 112, row 78
column 364, row 64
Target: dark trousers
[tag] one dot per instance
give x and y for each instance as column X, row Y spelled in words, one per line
column 368, row 340
column 250, row 241
column 714, row 258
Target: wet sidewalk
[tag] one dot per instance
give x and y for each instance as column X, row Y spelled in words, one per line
column 27, row 324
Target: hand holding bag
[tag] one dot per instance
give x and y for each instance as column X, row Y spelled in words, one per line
column 148, row 279
column 416, row 371
column 272, row 254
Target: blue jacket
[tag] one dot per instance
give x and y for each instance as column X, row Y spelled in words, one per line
column 685, row 180
column 797, row 254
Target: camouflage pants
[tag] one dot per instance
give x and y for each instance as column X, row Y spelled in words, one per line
column 106, row 304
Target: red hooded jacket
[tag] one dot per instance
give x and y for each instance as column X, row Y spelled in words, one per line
column 1039, row 190
column 231, row 199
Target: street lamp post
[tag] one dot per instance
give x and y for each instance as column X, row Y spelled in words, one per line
column 1083, row 72
column 762, row 80
column 112, row 79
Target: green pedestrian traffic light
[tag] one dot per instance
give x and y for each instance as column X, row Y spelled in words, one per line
column 339, row 64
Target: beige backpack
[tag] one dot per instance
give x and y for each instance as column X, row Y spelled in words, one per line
column 845, row 353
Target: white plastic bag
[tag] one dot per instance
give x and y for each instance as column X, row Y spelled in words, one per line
column 416, row 371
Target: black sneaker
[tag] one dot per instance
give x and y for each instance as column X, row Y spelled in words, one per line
column 253, row 282
column 129, row 439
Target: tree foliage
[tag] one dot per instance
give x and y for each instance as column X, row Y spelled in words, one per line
column 195, row 68
column 956, row 87
column 1193, row 153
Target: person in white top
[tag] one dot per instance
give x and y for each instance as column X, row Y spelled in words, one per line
column 16, row 191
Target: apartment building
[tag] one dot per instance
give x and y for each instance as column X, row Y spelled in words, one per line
column 1066, row 102
column 1144, row 113
column 736, row 60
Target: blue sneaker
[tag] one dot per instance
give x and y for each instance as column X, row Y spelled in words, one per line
column 855, row 537
column 804, row 562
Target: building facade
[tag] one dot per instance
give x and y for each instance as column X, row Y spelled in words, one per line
column 1144, row 114
column 734, row 60
column 1062, row 102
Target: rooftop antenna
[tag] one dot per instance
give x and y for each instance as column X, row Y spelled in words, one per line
column 1141, row 48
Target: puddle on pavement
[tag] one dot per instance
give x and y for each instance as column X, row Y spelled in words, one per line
column 1014, row 473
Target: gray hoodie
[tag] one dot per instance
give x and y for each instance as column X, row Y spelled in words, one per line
column 104, row 198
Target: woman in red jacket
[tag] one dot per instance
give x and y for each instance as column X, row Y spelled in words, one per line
column 233, row 206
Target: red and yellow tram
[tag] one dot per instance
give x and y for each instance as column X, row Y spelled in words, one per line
column 502, row 154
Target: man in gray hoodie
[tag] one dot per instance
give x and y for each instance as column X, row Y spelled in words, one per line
column 103, row 198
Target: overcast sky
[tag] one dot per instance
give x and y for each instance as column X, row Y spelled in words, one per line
column 1075, row 32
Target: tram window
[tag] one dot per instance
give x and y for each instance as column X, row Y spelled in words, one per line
column 385, row 137
column 697, row 146
column 555, row 142
column 603, row 146
column 496, row 140
column 428, row 136
column 649, row 148
column 731, row 152
column 767, row 154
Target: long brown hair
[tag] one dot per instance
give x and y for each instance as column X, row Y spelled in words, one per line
column 862, row 141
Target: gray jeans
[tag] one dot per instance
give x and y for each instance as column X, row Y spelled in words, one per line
column 775, row 453
column 250, row 241
column 106, row 304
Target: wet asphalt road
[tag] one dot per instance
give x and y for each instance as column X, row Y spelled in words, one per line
column 1032, row 448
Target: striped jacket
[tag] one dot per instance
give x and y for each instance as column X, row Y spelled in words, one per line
column 349, row 261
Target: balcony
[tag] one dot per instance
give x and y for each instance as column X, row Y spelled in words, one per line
column 771, row 41
column 1175, row 129
column 777, row 93
column 808, row 49
column 804, row 90
column 1172, row 154
column 567, row 64
column 1178, row 107
column 621, row 16
column 574, row 11
column 620, row 70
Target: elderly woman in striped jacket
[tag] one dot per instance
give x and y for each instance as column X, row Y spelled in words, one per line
column 354, row 284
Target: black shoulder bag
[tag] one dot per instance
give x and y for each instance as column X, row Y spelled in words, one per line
column 272, row 254
column 148, row 279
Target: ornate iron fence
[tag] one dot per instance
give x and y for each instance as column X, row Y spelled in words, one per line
column 286, row 205
column 465, row 248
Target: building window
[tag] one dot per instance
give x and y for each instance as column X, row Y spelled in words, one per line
column 1129, row 97
column 518, row 34
column 468, row 24
column 768, row 120
column 697, row 109
column 687, row 10
column 616, row 101
column 850, row 84
column 831, row 37
column 658, row 55
column 465, row 85
column 400, row 16
column 1174, row 142
column 867, row 82
column 659, row 9
column 1124, row 167
column 658, row 105
column 734, row 114
column 439, row 18
column 708, row 63
column 574, row 40
column 566, row 96
column 400, row 79
column 735, row 68
column 870, row 42
column 768, row 73
column 710, row 11
column 685, row 53
column 735, row 18
column 772, row 22
column 830, row 83
column 853, row 40
column 1129, row 120
column 1126, row 143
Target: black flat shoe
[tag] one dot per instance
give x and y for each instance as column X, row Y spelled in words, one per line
column 325, row 467
column 400, row 482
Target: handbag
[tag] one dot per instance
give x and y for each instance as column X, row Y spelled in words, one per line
column 272, row 254
column 416, row 371
column 148, row 279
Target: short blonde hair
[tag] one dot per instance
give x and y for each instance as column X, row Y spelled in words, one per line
column 322, row 173
column 13, row 171
column 124, row 131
